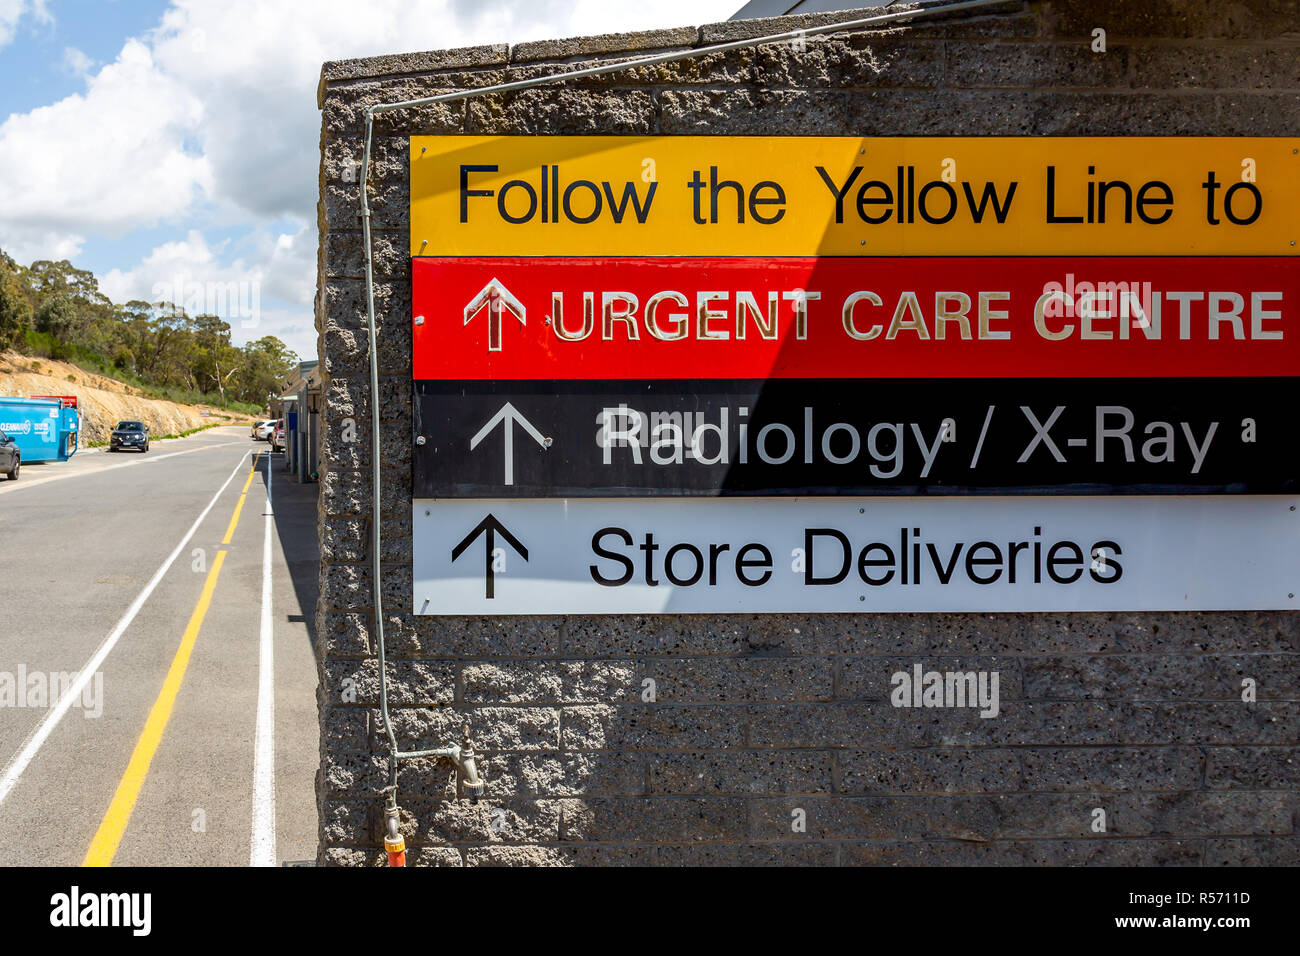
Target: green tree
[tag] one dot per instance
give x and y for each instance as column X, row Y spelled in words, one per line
column 49, row 278
column 15, row 311
column 267, row 362
column 217, row 360
column 155, row 344
column 123, row 358
column 57, row 316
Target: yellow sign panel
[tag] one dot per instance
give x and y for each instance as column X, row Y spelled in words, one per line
column 845, row 196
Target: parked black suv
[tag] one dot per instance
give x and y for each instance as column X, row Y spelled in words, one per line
column 129, row 435
column 10, row 457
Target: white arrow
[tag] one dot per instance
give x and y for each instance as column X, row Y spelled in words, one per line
column 497, row 298
column 510, row 415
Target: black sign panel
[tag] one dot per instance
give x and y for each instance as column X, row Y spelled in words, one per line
column 848, row 437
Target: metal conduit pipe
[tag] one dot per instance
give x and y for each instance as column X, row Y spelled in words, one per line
column 464, row 758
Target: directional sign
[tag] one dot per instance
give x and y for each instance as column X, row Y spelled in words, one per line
column 745, row 318
column 853, row 196
column 651, row 556
column 837, row 436
column 709, row 374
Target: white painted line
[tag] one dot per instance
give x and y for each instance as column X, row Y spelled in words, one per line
column 11, row 486
column 34, row 743
column 263, row 849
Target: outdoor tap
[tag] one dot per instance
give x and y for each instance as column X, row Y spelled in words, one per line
column 394, row 844
column 462, row 755
column 474, row 785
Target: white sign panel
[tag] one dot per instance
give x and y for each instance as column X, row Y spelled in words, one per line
column 746, row 555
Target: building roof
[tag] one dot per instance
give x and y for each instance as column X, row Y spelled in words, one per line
column 305, row 374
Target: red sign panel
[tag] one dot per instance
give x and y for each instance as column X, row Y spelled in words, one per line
column 747, row 318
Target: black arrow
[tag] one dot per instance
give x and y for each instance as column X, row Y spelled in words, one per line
column 493, row 527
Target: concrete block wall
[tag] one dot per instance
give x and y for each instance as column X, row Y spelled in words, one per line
column 757, row 717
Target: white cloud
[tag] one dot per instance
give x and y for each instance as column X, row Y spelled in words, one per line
column 256, row 64
column 211, row 119
column 104, row 162
column 37, row 243
column 76, row 62
column 12, row 11
column 238, row 280
column 280, row 263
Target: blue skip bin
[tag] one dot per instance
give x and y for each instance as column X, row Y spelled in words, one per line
column 44, row 428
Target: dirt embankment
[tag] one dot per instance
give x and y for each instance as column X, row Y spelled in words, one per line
column 104, row 401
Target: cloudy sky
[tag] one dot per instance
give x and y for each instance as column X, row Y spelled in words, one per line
column 154, row 142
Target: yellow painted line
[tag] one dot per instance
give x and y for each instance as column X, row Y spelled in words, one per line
column 239, row 506
column 251, row 472
column 234, row 520
column 113, row 826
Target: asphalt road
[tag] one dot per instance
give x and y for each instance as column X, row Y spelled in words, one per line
column 157, row 681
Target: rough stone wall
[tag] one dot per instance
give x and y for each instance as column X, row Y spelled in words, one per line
column 1139, row 714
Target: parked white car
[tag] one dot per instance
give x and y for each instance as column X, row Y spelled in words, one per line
column 262, row 429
